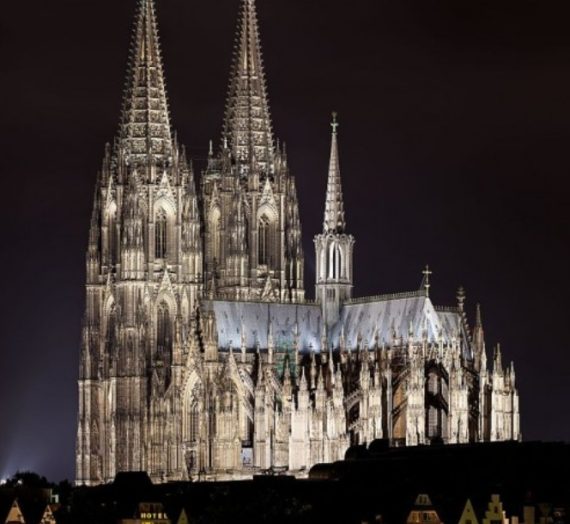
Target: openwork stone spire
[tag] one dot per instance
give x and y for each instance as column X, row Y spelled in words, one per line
column 145, row 124
column 334, row 208
column 247, row 126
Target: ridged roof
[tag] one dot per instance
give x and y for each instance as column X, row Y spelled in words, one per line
column 378, row 319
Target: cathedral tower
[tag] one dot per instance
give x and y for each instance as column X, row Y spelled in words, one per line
column 333, row 247
column 144, row 272
column 252, row 229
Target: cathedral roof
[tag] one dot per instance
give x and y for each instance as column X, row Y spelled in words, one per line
column 378, row 318
column 396, row 316
column 260, row 318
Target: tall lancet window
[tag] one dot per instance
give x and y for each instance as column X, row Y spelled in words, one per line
column 215, row 232
column 163, row 332
column 193, row 422
column 111, row 329
column 160, row 239
column 264, row 240
column 111, row 223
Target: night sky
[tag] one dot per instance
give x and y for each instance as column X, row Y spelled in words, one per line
column 455, row 125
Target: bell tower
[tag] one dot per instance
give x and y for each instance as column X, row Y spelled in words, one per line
column 333, row 247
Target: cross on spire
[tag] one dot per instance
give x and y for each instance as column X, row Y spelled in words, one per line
column 426, row 280
column 334, row 123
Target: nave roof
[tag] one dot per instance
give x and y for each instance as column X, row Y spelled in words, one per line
column 366, row 322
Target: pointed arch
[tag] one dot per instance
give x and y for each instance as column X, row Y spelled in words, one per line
column 164, row 220
column 164, row 332
column 191, row 407
column 111, row 241
column 110, row 321
column 191, row 421
column 161, row 234
column 215, row 234
column 340, row 271
column 264, row 240
column 331, row 263
column 267, row 251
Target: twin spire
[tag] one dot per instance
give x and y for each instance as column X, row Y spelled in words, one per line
column 145, row 122
column 247, row 125
column 334, row 208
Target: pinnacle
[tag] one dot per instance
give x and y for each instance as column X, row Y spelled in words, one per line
column 478, row 321
column 145, row 124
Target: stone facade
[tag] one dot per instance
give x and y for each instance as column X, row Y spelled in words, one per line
column 201, row 357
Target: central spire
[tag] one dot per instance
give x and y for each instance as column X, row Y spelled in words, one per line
column 247, row 125
column 145, row 122
column 334, row 208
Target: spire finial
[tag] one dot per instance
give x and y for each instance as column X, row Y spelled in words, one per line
column 426, row 284
column 478, row 320
column 334, row 123
column 461, row 298
column 498, row 360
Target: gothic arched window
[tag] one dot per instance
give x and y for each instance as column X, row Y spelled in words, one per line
column 163, row 332
column 264, row 240
column 332, row 261
column 215, row 231
column 160, row 236
column 111, row 328
column 193, row 422
column 338, row 263
column 111, row 224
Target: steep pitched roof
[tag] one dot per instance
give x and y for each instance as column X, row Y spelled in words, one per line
column 259, row 319
column 379, row 318
column 395, row 316
column 15, row 515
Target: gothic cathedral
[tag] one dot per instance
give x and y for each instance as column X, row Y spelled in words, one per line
column 201, row 356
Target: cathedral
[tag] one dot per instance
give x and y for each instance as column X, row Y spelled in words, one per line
column 201, row 356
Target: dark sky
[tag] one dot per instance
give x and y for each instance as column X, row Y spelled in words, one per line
column 455, row 125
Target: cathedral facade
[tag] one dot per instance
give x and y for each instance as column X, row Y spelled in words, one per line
column 201, row 356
